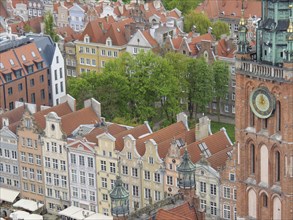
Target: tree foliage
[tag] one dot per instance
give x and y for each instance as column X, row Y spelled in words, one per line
column 49, row 27
column 200, row 20
column 219, row 28
column 221, row 76
column 183, row 5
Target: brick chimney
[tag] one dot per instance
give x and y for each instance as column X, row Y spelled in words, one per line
column 203, row 128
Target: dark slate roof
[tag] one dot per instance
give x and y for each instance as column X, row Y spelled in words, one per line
column 47, row 46
column 283, row 25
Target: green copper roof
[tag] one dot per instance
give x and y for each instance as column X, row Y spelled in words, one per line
column 119, row 192
column 186, row 165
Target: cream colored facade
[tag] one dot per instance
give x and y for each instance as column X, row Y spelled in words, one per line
column 93, row 56
column 106, row 166
column 30, row 159
column 55, row 165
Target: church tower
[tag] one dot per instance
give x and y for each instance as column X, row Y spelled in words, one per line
column 264, row 116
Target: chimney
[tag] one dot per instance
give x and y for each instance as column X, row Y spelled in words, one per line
column 183, row 117
column 70, row 101
column 94, row 104
column 203, row 128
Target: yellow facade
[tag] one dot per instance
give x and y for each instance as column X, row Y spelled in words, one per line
column 93, row 56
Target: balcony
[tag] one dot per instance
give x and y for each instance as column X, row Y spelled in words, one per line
column 262, row 70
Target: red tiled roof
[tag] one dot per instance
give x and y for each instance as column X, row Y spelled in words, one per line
column 165, row 214
column 219, row 159
column 68, row 33
column 161, row 135
column 149, row 38
column 13, row 116
column 185, row 210
column 224, row 50
column 60, row 110
column 135, row 132
column 215, row 143
column 213, row 9
column 196, row 40
column 83, row 116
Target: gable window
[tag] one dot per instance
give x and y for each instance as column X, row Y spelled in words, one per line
column 109, row 42
column 203, row 187
column 86, row 39
column 135, row 50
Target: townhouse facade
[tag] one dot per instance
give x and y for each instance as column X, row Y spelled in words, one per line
column 35, row 8
column 70, row 59
column 76, row 17
column 62, row 19
column 82, row 174
column 24, row 73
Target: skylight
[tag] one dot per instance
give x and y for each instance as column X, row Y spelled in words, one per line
column 1, row 66
column 204, row 149
column 33, row 54
column 11, row 62
column 23, row 57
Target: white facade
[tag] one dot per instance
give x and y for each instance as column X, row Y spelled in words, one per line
column 138, row 42
column 9, row 169
column 58, row 86
column 82, row 172
column 55, row 165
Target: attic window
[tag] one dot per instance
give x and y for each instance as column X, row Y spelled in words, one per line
column 222, row 13
column 109, row 42
column 23, row 57
column 204, row 149
column 234, row 14
column 86, row 39
column 11, row 62
column 33, row 54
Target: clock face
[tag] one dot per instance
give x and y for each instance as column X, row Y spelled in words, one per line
column 262, row 102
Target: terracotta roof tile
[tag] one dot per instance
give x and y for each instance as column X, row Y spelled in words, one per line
column 150, row 39
column 224, row 50
column 161, row 135
column 185, row 210
column 60, row 110
column 113, row 129
column 177, row 42
column 3, row 11
column 136, row 132
column 215, row 143
column 219, row 159
column 196, row 40
column 13, row 116
column 83, row 116
column 68, row 33
column 165, row 214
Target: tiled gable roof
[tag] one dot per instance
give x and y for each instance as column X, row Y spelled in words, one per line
column 13, row 115
column 68, row 33
column 60, row 110
column 149, row 38
column 219, row 159
column 83, row 116
column 196, row 40
column 165, row 214
column 224, row 50
column 185, row 210
column 161, row 135
column 136, row 132
column 215, row 143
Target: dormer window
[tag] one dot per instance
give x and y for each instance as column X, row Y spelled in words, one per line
column 33, row 54
column 1, row 66
column 86, row 39
column 40, row 65
column 11, row 62
column 109, row 42
column 30, row 69
column 23, row 57
column 17, row 73
column 8, row 77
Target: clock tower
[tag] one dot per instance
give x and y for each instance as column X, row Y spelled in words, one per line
column 264, row 115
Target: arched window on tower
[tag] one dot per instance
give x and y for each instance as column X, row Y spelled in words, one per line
column 278, row 116
column 277, row 166
column 252, row 159
column 264, row 200
column 251, row 119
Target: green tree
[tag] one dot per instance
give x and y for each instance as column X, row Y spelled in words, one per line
column 201, row 84
column 219, row 28
column 49, row 27
column 200, row 20
column 221, row 76
column 183, row 5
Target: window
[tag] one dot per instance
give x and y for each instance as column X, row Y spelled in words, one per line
column 112, row 167
column 24, row 172
column 134, row 172
column 30, row 158
column 82, row 61
column 20, row 87
column 87, row 50
column 203, row 187
column 42, row 94
column 109, row 53
column 10, row 91
column 32, row 82
column 105, row 197
column 55, row 164
column 235, row 194
column 57, row 59
column 48, row 178
column 227, row 192
column 233, row 96
column 83, row 194
column 235, row 27
column 233, row 109
column 82, row 177
column 151, row 160
column 115, row 53
column 135, row 191
column 125, row 170
column 170, row 180
column 93, row 62
column 103, row 52
column 203, row 204
column 74, row 192
column 104, row 182
column 264, row 200
column 157, row 177
column 91, row 179
column 90, row 162
column 214, row 208
column 32, row 173
column 134, row 50
column 88, row 62
column 8, row 77
column 7, row 153
column 102, row 63
column 29, row 142
column 47, row 162
column 63, row 181
column 227, row 212
column 15, row 170
column 39, row 175
column 23, row 157
column 8, row 168
column 232, row 177
column 213, row 189
column 226, row 108
column 63, row 165
column 74, row 176
column 13, row 154
column 277, row 166
column 81, row 160
column 103, row 165
column 252, row 159
column 38, row 160
column 147, row 175
column 41, row 78
column 157, row 195
column 1, row 167
column 33, row 98
column 147, row 193
column 56, row 179
column 73, row 158
column 129, row 155
column 56, row 88
column 93, row 51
